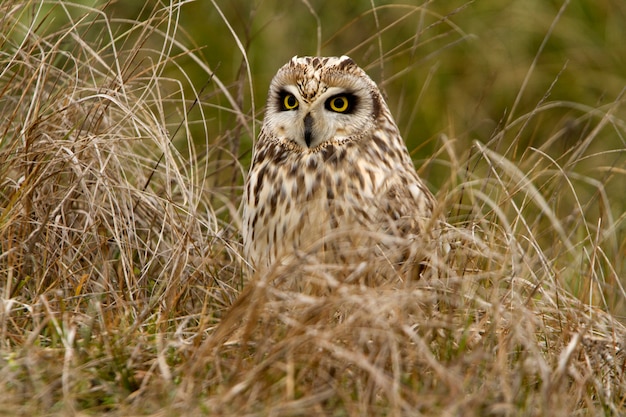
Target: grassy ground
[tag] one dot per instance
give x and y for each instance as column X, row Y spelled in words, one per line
column 125, row 134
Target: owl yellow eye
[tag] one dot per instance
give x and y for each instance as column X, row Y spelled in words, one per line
column 290, row 102
column 342, row 103
column 339, row 104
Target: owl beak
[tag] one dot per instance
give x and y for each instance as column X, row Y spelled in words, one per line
column 308, row 129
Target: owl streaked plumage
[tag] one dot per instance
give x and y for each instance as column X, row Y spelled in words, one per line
column 331, row 175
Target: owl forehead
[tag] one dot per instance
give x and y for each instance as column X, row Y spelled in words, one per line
column 314, row 75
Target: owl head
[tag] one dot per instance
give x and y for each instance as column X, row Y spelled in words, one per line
column 313, row 101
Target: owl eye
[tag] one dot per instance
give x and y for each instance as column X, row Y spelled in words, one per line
column 342, row 103
column 289, row 102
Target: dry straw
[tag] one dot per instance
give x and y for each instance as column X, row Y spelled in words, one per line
column 123, row 290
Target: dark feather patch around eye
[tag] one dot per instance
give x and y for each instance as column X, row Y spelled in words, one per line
column 287, row 101
column 335, row 104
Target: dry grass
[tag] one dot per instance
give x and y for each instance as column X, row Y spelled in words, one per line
column 123, row 291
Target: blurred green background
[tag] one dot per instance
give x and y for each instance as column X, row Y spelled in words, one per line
column 452, row 67
column 515, row 74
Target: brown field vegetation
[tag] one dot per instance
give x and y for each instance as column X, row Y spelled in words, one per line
column 125, row 135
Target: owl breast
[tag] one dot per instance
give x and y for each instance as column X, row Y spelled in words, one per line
column 328, row 202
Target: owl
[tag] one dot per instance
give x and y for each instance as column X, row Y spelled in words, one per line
column 331, row 177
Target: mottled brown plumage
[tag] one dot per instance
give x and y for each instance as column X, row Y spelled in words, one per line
column 331, row 176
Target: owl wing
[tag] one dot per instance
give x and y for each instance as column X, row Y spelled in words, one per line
column 406, row 205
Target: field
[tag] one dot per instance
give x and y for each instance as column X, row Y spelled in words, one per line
column 126, row 131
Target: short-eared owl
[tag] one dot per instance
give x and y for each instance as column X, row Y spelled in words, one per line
column 330, row 173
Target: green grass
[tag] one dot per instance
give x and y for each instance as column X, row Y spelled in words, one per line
column 125, row 135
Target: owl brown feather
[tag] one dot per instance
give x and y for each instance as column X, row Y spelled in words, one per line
column 330, row 178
